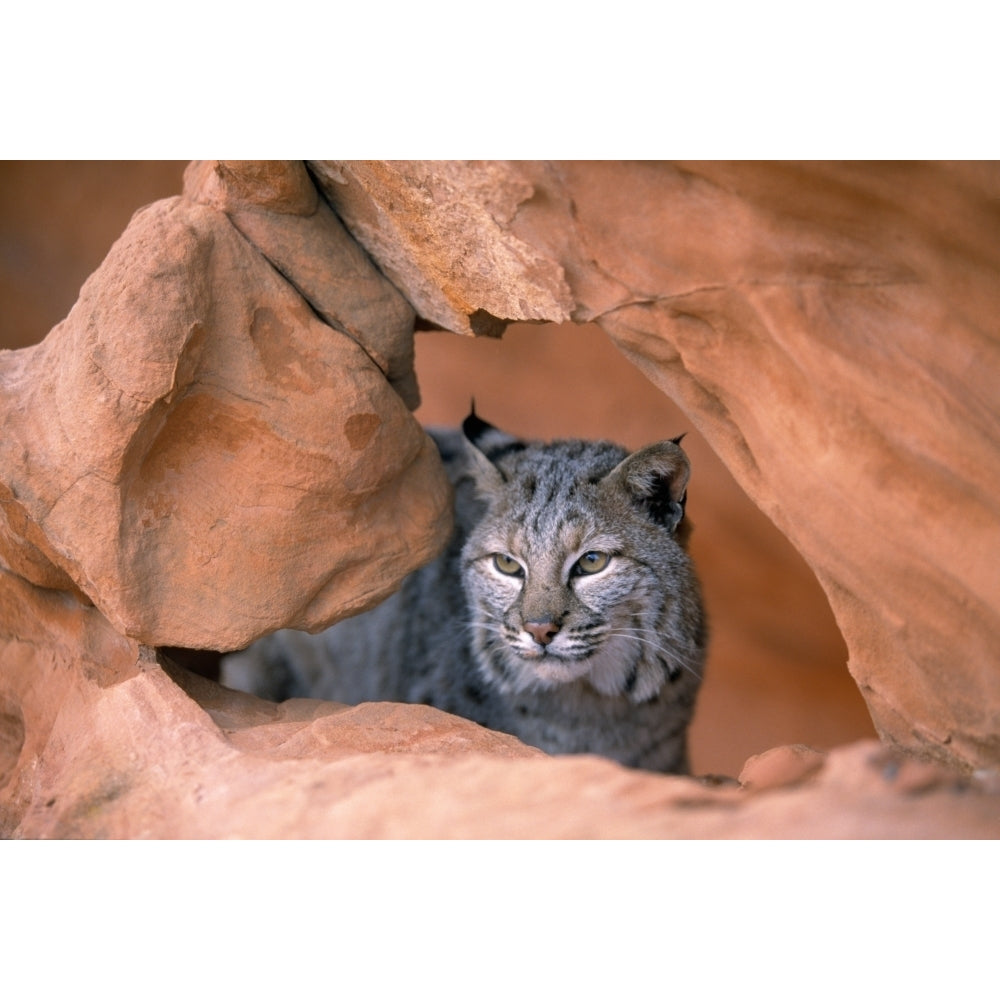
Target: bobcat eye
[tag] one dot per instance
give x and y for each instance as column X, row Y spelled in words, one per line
column 507, row 565
column 592, row 562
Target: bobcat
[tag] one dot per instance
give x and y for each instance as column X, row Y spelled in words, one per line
column 565, row 611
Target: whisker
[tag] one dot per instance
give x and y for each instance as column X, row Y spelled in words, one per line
column 637, row 628
column 633, row 631
column 673, row 655
column 484, row 626
column 491, row 626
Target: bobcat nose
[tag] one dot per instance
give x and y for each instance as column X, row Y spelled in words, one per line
column 542, row 631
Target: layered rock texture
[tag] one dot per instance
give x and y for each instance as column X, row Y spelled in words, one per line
column 217, row 441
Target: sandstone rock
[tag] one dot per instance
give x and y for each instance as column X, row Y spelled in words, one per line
column 444, row 237
column 202, row 456
column 780, row 767
column 830, row 329
column 277, row 208
column 101, row 738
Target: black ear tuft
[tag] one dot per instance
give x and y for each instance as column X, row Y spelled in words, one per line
column 473, row 427
column 491, row 441
column 484, row 445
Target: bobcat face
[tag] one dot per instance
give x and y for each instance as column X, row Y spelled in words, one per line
column 574, row 571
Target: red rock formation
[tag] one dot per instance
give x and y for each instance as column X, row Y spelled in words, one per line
column 196, row 398
column 773, row 301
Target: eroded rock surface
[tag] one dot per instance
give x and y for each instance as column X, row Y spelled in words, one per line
column 442, row 232
column 217, row 442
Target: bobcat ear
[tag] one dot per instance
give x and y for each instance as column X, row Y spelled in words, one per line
column 477, row 430
column 656, row 479
column 484, row 443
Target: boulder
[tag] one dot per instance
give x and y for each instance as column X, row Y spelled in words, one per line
column 199, row 450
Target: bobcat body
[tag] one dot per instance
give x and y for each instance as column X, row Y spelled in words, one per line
column 565, row 610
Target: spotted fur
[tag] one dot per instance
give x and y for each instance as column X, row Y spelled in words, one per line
column 565, row 610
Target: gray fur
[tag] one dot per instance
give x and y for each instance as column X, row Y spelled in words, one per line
column 607, row 662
